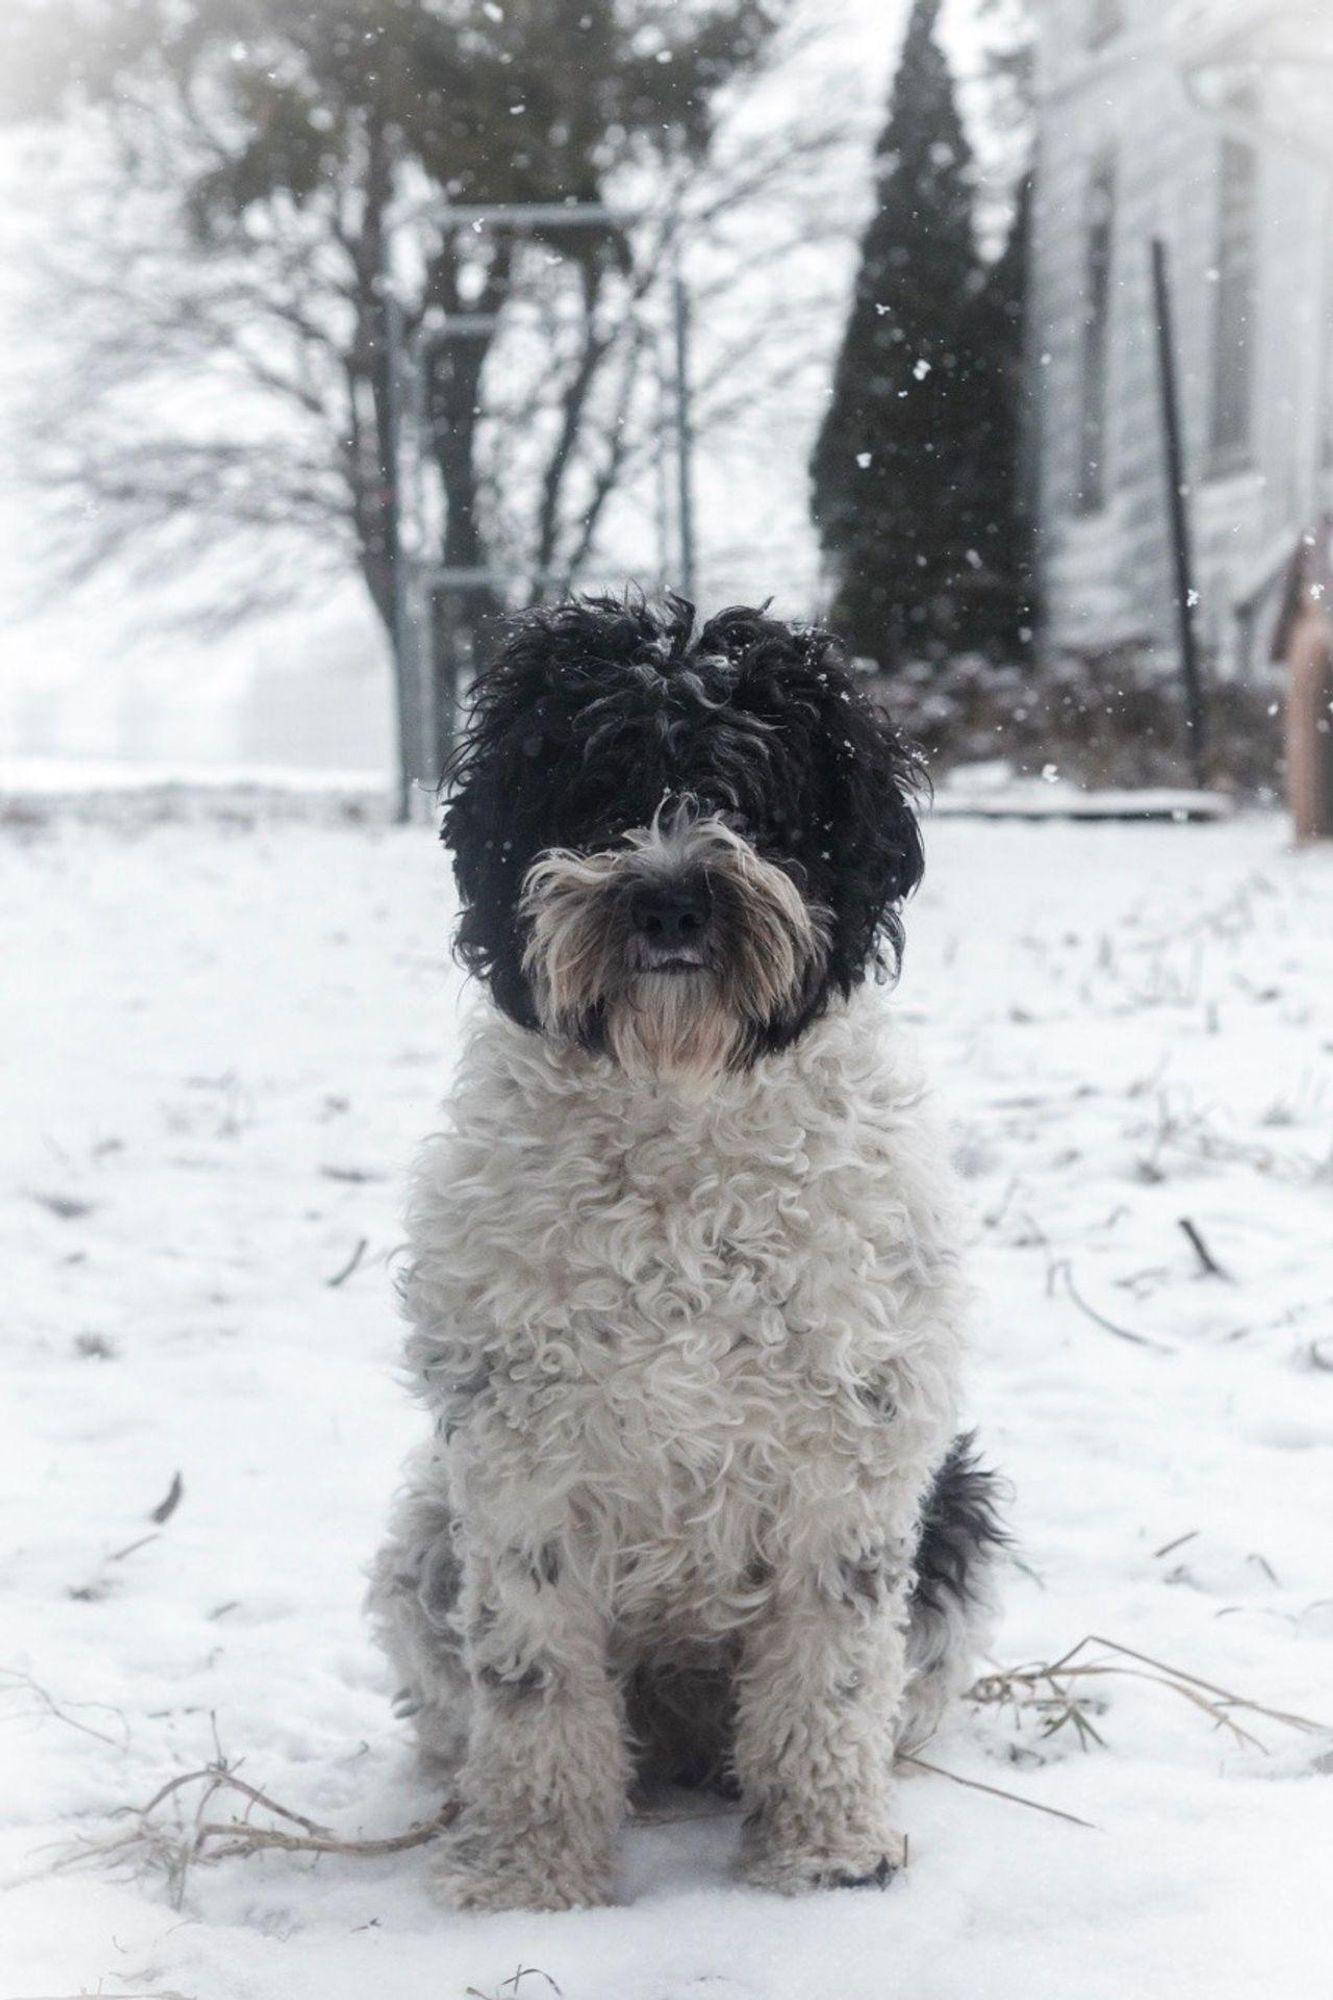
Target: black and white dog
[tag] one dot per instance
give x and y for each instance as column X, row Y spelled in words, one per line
column 684, row 1279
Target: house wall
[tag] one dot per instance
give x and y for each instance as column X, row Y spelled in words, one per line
column 1106, row 573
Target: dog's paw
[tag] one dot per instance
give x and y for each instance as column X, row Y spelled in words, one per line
column 472, row 1873
column 795, row 1870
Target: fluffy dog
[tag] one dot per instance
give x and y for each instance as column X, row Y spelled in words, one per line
column 684, row 1282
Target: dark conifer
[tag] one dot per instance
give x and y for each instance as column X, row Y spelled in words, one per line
column 994, row 609
column 891, row 467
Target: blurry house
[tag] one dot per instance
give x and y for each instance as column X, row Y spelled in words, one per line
column 1208, row 123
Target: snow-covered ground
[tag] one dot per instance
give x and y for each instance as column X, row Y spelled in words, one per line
column 220, row 1043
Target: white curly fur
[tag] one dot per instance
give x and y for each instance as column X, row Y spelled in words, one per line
column 691, row 1359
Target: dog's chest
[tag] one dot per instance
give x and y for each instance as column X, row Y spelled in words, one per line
column 645, row 1258
column 667, row 1278
column 695, row 1325
column 699, row 1328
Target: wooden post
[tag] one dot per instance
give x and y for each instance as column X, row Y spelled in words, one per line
column 1304, row 642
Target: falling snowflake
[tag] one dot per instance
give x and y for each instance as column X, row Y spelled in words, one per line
column 863, row 459
column 921, row 370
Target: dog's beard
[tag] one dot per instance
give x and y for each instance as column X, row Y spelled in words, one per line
column 595, row 982
column 671, row 1025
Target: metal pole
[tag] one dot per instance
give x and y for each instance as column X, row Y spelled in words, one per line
column 391, row 333
column 1178, row 511
column 419, row 628
column 662, row 467
column 684, row 437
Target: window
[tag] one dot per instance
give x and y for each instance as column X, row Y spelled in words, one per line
column 1099, row 252
column 1106, row 18
column 1234, row 307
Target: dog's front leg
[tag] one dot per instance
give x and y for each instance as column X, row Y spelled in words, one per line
column 543, row 1788
column 820, row 1687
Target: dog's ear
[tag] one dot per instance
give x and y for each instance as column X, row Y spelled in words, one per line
column 849, row 774
column 537, row 756
column 875, row 781
column 492, row 784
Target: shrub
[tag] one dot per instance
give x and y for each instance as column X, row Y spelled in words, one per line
column 1110, row 719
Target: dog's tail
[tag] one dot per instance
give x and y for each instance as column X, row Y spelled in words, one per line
column 953, row 1601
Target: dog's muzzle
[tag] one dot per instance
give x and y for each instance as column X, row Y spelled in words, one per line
column 673, row 950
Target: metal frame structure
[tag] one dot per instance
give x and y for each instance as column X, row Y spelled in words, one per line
column 419, row 576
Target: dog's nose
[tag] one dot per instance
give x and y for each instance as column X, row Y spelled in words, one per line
column 673, row 913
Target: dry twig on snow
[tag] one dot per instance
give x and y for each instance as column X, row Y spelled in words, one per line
column 1063, row 1270
column 1208, row 1264
column 174, row 1845
column 60, row 1709
column 341, row 1276
column 1057, row 1692
column 995, row 1791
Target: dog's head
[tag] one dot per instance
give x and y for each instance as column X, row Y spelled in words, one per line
column 670, row 849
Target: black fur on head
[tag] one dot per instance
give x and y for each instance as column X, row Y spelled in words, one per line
column 601, row 715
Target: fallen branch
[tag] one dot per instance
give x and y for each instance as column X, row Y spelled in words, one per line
column 131, row 1548
column 1063, row 1269
column 1169, row 1548
column 166, row 1507
column 512, row 1984
column 1054, row 1692
column 258, row 1798
column 61, row 1711
column 341, row 1277
column 247, row 1839
column 150, row 1841
column 1208, row 1264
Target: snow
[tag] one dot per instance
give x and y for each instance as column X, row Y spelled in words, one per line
column 1051, row 797
column 223, row 1041
column 60, row 780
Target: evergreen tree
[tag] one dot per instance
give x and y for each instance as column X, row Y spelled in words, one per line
column 994, row 608
column 892, row 498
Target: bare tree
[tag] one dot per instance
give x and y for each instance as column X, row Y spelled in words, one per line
column 217, row 370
